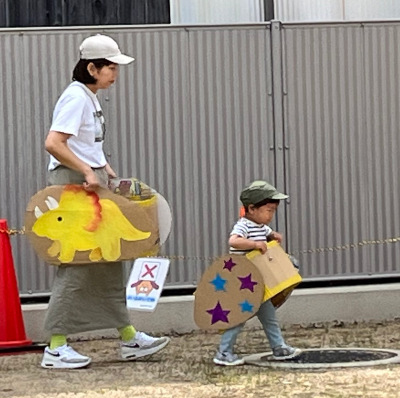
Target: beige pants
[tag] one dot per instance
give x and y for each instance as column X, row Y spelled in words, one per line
column 85, row 297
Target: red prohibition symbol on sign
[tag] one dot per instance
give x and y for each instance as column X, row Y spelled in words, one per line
column 149, row 271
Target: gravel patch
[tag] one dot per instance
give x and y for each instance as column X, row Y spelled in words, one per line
column 185, row 369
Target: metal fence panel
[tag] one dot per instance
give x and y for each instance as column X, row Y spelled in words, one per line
column 204, row 110
column 150, row 131
column 231, row 127
column 341, row 128
column 382, row 121
column 184, row 118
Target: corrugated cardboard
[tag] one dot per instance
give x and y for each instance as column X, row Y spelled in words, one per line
column 279, row 275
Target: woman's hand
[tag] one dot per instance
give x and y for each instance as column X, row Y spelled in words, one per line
column 92, row 182
column 110, row 172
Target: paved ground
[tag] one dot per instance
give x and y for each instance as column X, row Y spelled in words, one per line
column 185, row 369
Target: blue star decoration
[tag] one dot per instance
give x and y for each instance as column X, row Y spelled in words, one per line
column 245, row 306
column 247, row 283
column 219, row 283
column 229, row 264
column 218, row 314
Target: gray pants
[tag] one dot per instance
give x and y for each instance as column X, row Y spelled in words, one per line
column 85, row 297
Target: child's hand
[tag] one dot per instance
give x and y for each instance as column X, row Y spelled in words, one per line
column 276, row 236
column 260, row 245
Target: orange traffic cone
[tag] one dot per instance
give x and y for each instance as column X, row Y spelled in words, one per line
column 12, row 330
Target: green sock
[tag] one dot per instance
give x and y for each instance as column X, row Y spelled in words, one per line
column 57, row 340
column 127, row 332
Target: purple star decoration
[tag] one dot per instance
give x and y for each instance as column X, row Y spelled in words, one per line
column 247, row 283
column 229, row 264
column 218, row 314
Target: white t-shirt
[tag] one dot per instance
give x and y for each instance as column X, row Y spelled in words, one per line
column 249, row 230
column 78, row 113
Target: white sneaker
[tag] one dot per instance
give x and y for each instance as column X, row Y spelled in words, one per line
column 64, row 357
column 142, row 345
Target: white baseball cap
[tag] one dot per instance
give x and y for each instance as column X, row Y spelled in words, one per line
column 101, row 46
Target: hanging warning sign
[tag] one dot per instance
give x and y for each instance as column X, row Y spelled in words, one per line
column 145, row 283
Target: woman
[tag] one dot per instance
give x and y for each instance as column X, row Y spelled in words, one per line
column 91, row 296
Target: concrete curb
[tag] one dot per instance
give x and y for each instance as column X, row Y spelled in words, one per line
column 305, row 306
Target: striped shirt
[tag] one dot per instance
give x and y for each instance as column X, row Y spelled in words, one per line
column 249, row 230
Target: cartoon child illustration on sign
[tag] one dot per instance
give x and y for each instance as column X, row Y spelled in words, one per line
column 145, row 287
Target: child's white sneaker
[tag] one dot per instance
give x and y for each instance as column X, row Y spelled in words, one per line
column 142, row 345
column 64, row 357
column 227, row 359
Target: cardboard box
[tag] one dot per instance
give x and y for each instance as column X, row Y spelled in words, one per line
column 279, row 274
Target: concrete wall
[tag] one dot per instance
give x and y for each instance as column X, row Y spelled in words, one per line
column 305, row 306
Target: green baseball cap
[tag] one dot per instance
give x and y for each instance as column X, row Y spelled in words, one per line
column 258, row 191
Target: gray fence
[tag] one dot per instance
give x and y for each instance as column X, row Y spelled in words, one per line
column 313, row 108
column 341, row 126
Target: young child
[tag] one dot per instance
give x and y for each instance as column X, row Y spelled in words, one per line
column 260, row 201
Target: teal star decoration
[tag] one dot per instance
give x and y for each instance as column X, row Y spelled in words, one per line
column 245, row 306
column 219, row 283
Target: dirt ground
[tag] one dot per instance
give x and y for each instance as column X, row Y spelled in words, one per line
column 185, row 369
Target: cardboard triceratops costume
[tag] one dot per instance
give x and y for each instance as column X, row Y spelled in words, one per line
column 67, row 224
column 232, row 289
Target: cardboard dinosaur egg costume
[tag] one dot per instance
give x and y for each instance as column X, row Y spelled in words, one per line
column 67, row 224
column 233, row 287
column 229, row 293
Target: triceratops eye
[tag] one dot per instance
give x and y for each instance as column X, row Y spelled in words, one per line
column 59, row 218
